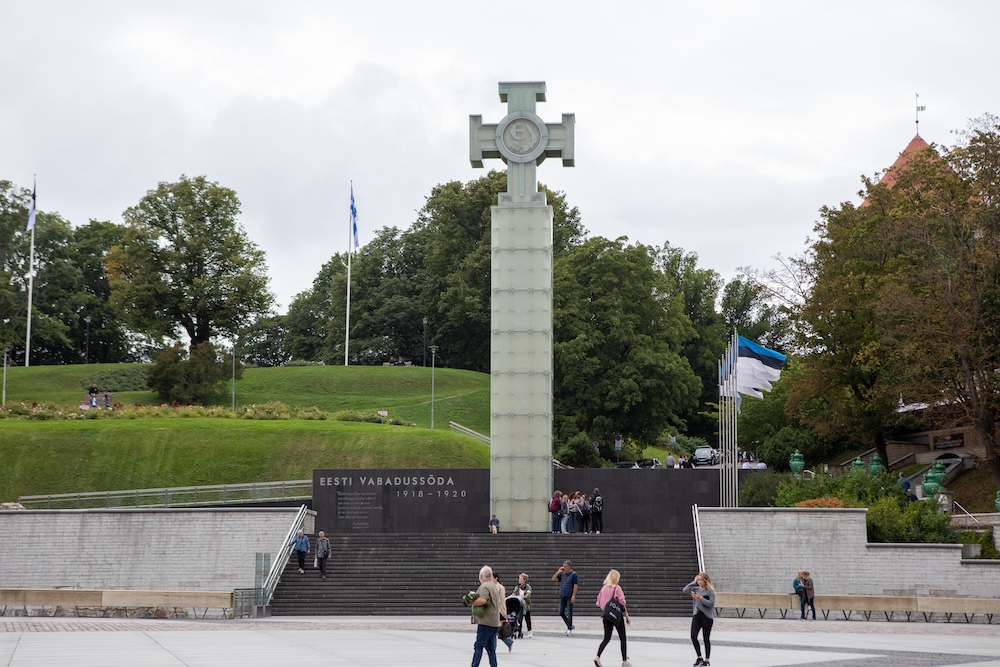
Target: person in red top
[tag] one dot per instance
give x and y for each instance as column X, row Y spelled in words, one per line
column 610, row 590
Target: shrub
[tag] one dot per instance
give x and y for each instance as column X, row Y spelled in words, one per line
column 983, row 539
column 311, row 413
column 689, row 443
column 40, row 411
column 127, row 377
column 264, row 411
column 368, row 417
column 187, row 379
column 825, row 501
column 761, row 488
column 894, row 520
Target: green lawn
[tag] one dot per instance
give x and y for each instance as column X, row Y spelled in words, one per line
column 39, row 457
column 104, row 455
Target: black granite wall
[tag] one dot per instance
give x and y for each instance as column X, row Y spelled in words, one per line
column 457, row 501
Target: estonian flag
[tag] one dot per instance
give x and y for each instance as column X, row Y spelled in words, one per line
column 354, row 218
column 31, row 212
column 756, row 368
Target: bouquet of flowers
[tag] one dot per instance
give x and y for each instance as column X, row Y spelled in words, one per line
column 468, row 599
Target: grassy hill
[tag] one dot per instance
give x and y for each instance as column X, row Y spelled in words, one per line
column 404, row 391
column 96, row 455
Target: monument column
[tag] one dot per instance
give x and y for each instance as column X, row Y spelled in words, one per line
column 521, row 307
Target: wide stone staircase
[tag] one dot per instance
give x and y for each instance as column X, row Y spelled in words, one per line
column 410, row 574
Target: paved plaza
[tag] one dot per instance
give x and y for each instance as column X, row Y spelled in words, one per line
column 436, row 641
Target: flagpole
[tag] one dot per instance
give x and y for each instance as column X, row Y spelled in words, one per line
column 352, row 226
column 347, row 322
column 31, row 273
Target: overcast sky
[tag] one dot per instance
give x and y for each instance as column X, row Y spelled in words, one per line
column 719, row 127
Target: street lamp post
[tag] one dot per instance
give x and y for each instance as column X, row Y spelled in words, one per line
column 434, row 349
column 425, row 343
column 86, row 357
column 234, row 375
column 6, row 321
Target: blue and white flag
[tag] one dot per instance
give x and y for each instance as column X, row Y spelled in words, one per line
column 31, row 211
column 354, row 218
column 756, row 367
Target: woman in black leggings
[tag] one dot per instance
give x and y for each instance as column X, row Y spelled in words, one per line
column 703, row 595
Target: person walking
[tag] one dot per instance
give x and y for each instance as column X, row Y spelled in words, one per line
column 523, row 591
column 597, row 511
column 808, row 593
column 569, row 582
column 614, row 617
column 489, row 623
column 323, row 551
column 301, row 544
column 703, row 597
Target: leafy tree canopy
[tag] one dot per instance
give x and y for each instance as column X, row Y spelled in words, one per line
column 186, row 265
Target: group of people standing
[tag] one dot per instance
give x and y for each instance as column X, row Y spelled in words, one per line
column 577, row 512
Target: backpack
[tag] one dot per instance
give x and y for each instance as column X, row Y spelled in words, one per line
column 555, row 504
column 598, row 503
column 797, row 585
column 586, row 508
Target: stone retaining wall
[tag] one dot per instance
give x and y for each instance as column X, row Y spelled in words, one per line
column 759, row 550
column 138, row 549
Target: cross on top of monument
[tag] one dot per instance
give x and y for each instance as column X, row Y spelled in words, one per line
column 522, row 140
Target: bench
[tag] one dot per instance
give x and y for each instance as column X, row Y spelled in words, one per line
column 104, row 601
column 889, row 605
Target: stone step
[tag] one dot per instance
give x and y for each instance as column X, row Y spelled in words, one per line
column 427, row 574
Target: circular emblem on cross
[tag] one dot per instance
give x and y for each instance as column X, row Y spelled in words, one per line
column 522, row 137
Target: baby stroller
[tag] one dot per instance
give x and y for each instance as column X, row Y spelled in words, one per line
column 515, row 615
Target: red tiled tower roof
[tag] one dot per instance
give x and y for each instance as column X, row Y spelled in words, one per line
column 916, row 145
column 909, row 153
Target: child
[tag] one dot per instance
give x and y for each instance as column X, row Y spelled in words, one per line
column 494, row 524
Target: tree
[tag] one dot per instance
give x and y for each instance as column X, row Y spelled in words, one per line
column 454, row 227
column 847, row 389
column 312, row 318
column 190, row 379
column 110, row 340
column 619, row 332
column 746, row 308
column 939, row 306
column 698, row 290
column 185, row 264
column 263, row 343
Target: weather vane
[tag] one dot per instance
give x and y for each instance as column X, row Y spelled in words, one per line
column 920, row 108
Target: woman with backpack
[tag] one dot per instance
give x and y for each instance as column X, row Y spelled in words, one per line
column 585, row 514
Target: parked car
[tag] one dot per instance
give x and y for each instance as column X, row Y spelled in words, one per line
column 631, row 465
column 704, row 456
column 650, row 463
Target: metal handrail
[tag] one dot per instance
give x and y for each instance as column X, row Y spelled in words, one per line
column 180, row 496
column 278, row 564
column 465, row 430
column 697, row 538
column 956, row 504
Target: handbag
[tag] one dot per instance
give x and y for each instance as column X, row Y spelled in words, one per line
column 506, row 630
column 614, row 611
